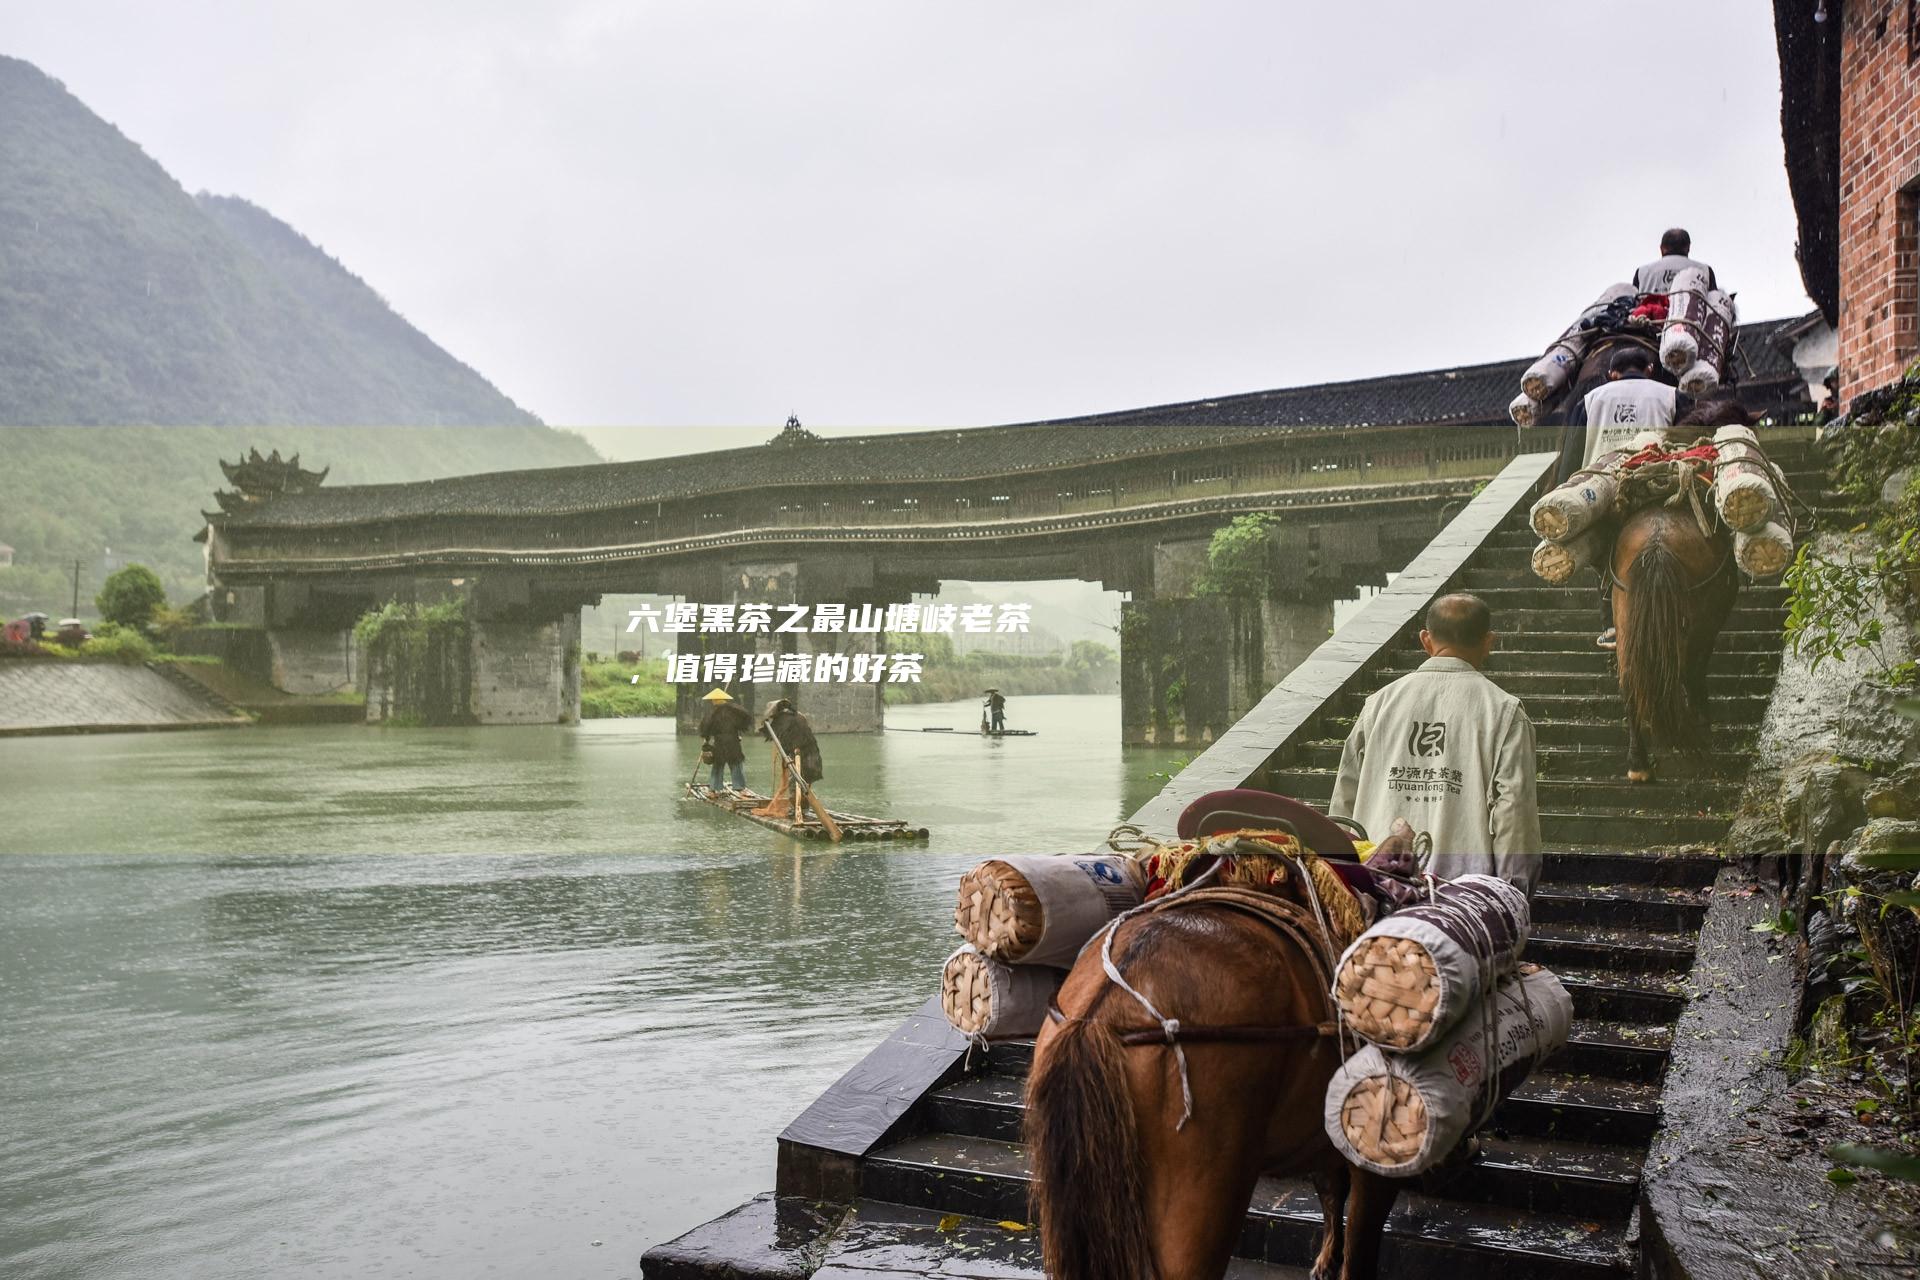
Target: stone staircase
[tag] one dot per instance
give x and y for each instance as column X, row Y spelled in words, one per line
column 1553, row 1194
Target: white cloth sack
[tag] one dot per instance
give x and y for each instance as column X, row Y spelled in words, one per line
column 1743, row 488
column 993, row 1001
column 1680, row 341
column 1716, row 338
column 1451, row 1079
column 1525, row 410
column 1474, row 930
column 1699, row 329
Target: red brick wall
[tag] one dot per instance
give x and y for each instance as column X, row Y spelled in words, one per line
column 1879, row 191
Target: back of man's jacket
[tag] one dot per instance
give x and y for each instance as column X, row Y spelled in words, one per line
column 1452, row 753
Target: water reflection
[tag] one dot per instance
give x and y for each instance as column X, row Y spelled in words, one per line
column 544, row 1003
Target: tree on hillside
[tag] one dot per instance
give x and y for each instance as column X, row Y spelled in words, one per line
column 1092, row 657
column 130, row 596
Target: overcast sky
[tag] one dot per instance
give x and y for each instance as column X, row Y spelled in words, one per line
column 914, row 213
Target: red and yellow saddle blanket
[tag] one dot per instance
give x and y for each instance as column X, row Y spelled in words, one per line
column 1264, row 860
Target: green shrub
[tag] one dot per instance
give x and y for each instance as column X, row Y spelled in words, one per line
column 168, row 622
column 130, row 596
column 118, row 644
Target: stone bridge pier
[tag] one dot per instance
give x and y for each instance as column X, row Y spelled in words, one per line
column 851, row 580
column 1193, row 665
column 517, row 660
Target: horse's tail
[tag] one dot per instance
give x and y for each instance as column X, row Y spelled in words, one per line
column 1081, row 1135
column 1653, row 647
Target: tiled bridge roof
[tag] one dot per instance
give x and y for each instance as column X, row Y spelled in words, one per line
column 1470, row 395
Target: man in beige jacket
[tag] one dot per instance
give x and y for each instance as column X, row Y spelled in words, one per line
column 1452, row 753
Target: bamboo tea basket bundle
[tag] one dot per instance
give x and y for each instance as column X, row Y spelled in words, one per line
column 1400, row 1115
column 1580, row 503
column 1699, row 379
column 1699, row 321
column 1765, row 553
column 1743, row 482
column 1412, row 977
column 1549, row 375
column 989, row 1000
column 1040, row 910
column 1557, row 562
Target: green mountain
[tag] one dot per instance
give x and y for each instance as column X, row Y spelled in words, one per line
column 211, row 325
column 136, row 493
column 125, row 300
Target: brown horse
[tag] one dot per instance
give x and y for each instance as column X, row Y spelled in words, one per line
column 1124, row 1189
column 1673, row 589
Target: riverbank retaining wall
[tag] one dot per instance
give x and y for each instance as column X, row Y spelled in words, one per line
column 43, row 696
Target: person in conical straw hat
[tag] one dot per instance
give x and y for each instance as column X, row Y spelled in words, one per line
column 721, row 728
column 794, row 734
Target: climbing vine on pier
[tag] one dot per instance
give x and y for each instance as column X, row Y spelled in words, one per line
column 1240, row 558
column 418, row 659
column 397, row 626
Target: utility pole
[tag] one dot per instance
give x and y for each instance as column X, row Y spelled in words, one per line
column 76, row 590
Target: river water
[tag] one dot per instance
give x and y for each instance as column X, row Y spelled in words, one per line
column 454, row 1003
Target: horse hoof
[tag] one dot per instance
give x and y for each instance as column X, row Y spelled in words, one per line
column 1639, row 775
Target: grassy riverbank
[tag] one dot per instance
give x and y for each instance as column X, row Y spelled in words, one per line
column 608, row 690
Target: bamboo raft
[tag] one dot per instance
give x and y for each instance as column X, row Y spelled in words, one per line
column 976, row 733
column 853, row 826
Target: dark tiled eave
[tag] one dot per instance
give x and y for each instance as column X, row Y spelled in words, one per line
column 1471, row 395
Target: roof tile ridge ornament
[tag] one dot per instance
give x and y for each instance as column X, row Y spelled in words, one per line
column 794, row 434
column 257, row 480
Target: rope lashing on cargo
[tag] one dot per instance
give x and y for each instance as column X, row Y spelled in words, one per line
column 1689, row 470
column 1672, row 476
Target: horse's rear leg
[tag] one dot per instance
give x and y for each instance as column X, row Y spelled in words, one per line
column 1332, row 1184
column 1639, row 755
column 1369, row 1204
column 1697, row 692
column 1196, row 1212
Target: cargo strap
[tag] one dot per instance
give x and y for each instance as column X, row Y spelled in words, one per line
column 1189, row 1034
